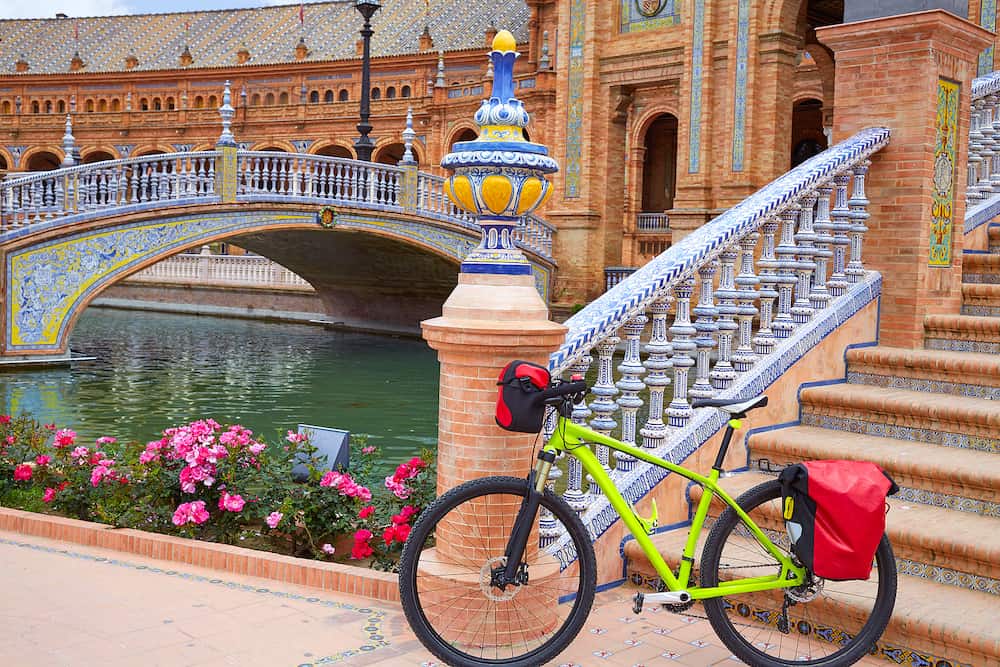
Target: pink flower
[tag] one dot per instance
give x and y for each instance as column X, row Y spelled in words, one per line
column 231, row 502
column 368, row 450
column 50, row 427
column 49, row 495
column 273, row 519
column 43, row 459
column 11, row 440
column 366, row 512
column 64, row 438
column 193, row 512
column 361, row 547
column 397, row 487
column 402, row 531
column 328, row 549
column 331, row 479
column 99, row 473
column 296, row 438
column 405, row 514
column 388, row 535
column 81, row 455
column 106, row 440
column 256, row 448
column 4, row 419
column 22, row 472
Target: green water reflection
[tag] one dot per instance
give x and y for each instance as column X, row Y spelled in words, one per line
column 156, row 370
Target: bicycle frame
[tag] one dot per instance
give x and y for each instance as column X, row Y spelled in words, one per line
column 573, row 438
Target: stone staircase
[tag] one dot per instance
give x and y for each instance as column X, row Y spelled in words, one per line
column 930, row 417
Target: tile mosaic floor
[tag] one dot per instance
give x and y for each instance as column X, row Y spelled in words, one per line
column 75, row 606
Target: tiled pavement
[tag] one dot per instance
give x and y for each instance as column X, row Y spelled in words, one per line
column 70, row 605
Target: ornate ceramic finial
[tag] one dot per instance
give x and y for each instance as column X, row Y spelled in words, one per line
column 69, row 144
column 408, row 136
column 543, row 61
column 186, row 58
column 227, row 112
column 499, row 176
column 440, row 77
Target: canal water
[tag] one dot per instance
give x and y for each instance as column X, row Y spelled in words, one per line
column 156, row 370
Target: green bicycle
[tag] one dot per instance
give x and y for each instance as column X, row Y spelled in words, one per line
column 477, row 588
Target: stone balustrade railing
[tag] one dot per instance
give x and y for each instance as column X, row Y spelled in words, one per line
column 982, row 193
column 652, row 222
column 68, row 195
column 131, row 184
column 235, row 270
column 615, row 274
column 769, row 277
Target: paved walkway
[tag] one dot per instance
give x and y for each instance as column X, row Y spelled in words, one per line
column 80, row 607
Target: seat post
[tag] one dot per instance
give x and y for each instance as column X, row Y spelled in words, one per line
column 727, row 437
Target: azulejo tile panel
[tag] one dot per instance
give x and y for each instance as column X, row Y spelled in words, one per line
column 639, row 15
column 957, row 503
column 960, row 440
column 697, row 75
column 943, row 197
column 740, row 100
column 988, row 20
column 919, row 384
column 574, row 115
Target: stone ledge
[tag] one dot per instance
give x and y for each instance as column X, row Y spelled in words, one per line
column 237, row 560
column 897, row 362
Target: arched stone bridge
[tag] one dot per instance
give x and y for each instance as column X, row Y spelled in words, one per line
column 386, row 253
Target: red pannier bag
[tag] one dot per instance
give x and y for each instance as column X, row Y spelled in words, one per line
column 834, row 513
column 518, row 407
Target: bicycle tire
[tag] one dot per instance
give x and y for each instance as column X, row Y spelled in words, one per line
column 807, row 633
column 416, row 598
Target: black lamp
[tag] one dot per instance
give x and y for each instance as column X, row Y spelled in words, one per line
column 363, row 145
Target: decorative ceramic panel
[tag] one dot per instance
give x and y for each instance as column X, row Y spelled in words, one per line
column 943, row 199
column 740, row 100
column 697, row 74
column 574, row 121
column 988, row 20
column 638, row 15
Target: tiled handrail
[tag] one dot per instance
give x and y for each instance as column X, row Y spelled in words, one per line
column 982, row 193
column 131, row 183
column 807, row 277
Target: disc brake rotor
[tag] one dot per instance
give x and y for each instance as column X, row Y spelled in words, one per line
column 490, row 591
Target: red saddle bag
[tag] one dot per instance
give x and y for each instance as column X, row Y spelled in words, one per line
column 518, row 407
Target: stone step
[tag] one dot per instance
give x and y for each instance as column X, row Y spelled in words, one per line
column 981, row 267
column 962, row 333
column 926, row 370
column 936, row 623
column 993, row 231
column 941, row 419
column 965, row 480
column 981, row 299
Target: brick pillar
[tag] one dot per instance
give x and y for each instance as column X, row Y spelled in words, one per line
column 900, row 72
column 487, row 321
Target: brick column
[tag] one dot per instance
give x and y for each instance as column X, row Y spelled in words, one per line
column 900, row 72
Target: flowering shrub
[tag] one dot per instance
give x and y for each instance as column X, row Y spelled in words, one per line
column 219, row 483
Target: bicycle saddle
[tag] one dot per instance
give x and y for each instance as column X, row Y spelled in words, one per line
column 732, row 406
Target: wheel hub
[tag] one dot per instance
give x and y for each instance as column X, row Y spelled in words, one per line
column 808, row 591
column 491, row 571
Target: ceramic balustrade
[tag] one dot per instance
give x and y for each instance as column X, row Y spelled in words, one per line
column 132, row 183
column 243, row 270
column 982, row 192
column 652, row 222
column 748, row 306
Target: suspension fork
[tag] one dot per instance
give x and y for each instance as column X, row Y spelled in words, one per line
column 525, row 520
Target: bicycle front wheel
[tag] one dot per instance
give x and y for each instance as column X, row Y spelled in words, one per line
column 820, row 623
column 447, row 580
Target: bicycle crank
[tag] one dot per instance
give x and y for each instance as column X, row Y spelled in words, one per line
column 667, row 597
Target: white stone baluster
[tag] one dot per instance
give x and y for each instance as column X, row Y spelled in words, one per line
column 841, row 216
column 604, row 405
column 706, row 327
column 858, row 206
column 574, row 494
column 630, row 385
column 549, row 529
column 988, row 148
column 723, row 373
column 972, row 192
column 783, row 322
column 679, row 411
column 819, row 297
column 744, row 356
column 658, row 353
column 805, row 238
column 994, row 165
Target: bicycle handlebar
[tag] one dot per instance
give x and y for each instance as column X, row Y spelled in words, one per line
column 563, row 389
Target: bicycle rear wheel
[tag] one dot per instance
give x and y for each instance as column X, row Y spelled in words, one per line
column 446, row 578
column 829, row 623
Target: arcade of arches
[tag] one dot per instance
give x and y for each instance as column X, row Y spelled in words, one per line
column 650, row 140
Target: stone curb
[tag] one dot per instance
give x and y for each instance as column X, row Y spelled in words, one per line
column 237, row 560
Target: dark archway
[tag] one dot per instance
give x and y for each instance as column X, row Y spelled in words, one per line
column 464, row 135
column 659, row 167
column 3, row 163
column 43, row 161
column 97, row 156
column 390, row 154
column 333, row 150
column 807, row 130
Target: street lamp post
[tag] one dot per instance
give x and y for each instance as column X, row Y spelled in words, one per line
column 363, row 145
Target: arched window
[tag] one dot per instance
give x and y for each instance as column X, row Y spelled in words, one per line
column 269, row 100
column 43, row 161
column 376, row 94
column 170, row 104
column 61, row 106
column 116, row 105
column 157, row 104
column 213, row 101
column 314, row 97
column 283, row 99
column 5, row 107
column 328, row 96
column 333, row 150
column 102, row 106
column 464, row 135
column 807, row 130
column 48, row 106
column 144, row 104
column 390, row 154
column 89, row 106
column 343, row 95
column 405, row 91
column 659, row 169
column 199, row 102
column 255, row 100
column 390, row 93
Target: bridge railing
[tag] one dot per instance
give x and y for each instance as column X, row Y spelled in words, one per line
column 265, row 174
column 133, row 182
column 982, row 193
column 789, row 266
column 237, row 270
